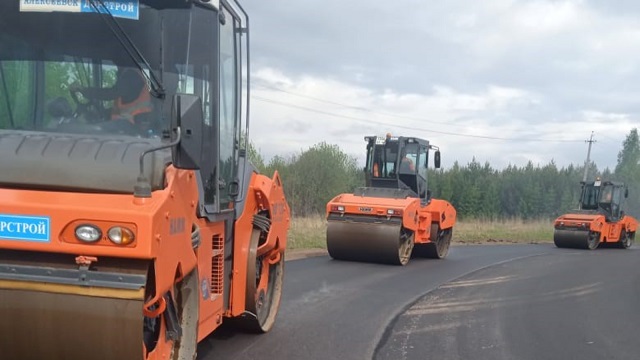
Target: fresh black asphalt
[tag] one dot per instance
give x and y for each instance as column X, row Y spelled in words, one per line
column 563, row 304
column 353, row 311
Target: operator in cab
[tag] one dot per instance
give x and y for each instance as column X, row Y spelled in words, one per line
column 130, row 95
column 407, row 166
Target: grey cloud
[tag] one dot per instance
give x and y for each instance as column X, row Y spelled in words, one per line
column 411, row 46
column 414, row 45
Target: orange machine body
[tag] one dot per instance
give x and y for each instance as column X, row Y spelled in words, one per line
column 414, row 215
column 131, row 239
column 162, row 226
column 599, row 219
column 608, row 232
column 393, row 217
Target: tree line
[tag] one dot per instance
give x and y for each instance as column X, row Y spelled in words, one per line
column 314, row 176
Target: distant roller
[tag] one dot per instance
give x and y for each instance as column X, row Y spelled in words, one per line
column 599, row 221
column 393, row 217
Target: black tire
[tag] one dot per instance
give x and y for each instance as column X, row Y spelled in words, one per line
column 437, row 249
column 405, row 248
column 187, row 300
column 626, row 239
column 261, row 306
column 593, row 241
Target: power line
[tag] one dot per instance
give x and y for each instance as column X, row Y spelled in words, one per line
column 611, row 140
column 359, row 108
column 369, row 121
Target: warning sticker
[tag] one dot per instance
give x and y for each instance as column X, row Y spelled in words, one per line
column 128, row 9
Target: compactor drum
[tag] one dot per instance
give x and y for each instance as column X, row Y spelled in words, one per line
column 393, row 218
column 599, row 221
column 131, row 224
column 362, row 241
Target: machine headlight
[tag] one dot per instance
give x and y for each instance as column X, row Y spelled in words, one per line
column 120, row 235
column 88, row 233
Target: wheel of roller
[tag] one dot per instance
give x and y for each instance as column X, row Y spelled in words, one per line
column 440, row 248
column 184, row 298
column 405, row 248
column 593, row 241
column 437, row 249
column 263, row 289
column 626, row 240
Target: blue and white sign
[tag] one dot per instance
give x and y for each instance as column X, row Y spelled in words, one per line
column 25, row 228
column 128, row 9
column 118, row 8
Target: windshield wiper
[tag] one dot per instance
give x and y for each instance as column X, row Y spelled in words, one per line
column 156, row 87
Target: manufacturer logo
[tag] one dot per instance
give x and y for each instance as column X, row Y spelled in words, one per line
column 24, row 228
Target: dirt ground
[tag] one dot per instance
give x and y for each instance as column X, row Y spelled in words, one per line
column 295, row 254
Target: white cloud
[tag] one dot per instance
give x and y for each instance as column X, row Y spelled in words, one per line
column 549, row 17
column 525, row 69
column 291, row 114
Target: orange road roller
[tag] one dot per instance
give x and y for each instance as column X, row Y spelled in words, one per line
column 599, row 220
column 131, row 224
column 393, row 217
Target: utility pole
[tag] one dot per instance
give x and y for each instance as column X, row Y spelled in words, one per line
column 586, row 163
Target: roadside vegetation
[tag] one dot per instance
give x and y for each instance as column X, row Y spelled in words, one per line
column 514, row 204
column 310, row 232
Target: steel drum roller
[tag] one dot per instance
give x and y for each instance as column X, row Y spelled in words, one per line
column 577, row 239
column 45, row 325
column 370, row 242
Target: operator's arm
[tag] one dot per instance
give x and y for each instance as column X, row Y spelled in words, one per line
column 102, row 94
column 128, row 86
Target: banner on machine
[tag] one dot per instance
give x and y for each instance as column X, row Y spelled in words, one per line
column 24, row 228
column 127, row 9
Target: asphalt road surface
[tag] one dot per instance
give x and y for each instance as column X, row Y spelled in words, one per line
column 345, row 310
column 564, row 304
column 482, row 302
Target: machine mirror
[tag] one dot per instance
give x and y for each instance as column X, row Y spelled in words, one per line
column 186, row 113
column 436, row 159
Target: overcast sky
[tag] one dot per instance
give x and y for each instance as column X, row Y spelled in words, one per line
column 504, row 81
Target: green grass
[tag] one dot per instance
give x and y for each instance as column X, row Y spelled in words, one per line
column 307, row 233
column 503, row 231
column 310, row 232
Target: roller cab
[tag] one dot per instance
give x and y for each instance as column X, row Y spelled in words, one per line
column 131, row 224
column 599, row 221
column 393, row 217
